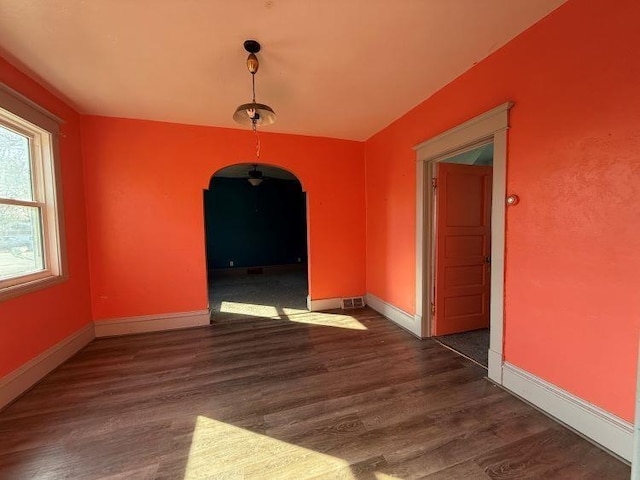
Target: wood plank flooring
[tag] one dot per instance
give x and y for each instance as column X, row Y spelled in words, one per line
column 324, row 396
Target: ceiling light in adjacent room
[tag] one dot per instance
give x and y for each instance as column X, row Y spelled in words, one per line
column 255, row 176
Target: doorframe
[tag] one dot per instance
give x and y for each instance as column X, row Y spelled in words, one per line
column 489, row 126
column 431, row 172
column 308, row 224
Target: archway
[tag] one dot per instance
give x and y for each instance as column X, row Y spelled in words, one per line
column 256, row 239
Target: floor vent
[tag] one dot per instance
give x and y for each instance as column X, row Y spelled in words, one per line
column 353, row 302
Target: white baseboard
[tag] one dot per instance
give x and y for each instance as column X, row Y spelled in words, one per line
column 323, row 304
column 151, row 323
column 593, row 422
column 26, row 376
column 495, row 366
column 393, row 313
column 23, row 378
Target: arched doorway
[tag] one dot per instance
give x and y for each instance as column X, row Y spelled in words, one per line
column 256, row 238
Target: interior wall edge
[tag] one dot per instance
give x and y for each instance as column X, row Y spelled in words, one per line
column 321, row 304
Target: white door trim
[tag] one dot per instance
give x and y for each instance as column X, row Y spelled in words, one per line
column 490, row 126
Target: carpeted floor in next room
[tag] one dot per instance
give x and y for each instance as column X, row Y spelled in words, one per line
column 473, row 344
column 268, row 294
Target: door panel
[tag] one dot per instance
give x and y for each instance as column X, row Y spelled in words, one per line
column 463, row 246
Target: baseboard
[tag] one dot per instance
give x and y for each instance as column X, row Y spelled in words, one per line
column 151, row 323
column 323, row 304
column 393, row 313
column 593, row 422
column 26, row 376
column 495, row 367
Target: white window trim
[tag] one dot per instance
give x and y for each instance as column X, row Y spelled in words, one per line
column 29, row 118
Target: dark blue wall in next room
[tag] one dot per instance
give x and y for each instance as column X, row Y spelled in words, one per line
column 255, row 226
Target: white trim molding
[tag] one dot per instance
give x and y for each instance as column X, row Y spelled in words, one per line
column 605, row 429
column 25, row 108
column 399, row 317
column 151, row 323
column 465, row 134
column 26, row 376
column 322, row 304
column 494, row 360
column 491, row 126
column 23, row 116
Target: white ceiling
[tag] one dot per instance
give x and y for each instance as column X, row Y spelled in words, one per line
column 335, row 68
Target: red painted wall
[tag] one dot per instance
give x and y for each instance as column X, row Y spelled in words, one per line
column 573, row 243
column 31, row 323
column 144, row 183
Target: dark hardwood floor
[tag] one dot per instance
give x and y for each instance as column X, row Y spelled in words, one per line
column 273, row 398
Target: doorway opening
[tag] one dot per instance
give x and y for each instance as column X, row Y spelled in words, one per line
column 490, row 126
column 461, row 267
column 256, row 242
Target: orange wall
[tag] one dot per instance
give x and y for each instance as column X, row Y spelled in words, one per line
column 31, row 323
column 573, row 249
column 145, row 182
column 573, row 243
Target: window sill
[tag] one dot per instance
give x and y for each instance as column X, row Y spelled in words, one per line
column 28, row 287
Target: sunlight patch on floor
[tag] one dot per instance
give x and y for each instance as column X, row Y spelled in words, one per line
column 293, row 315
column 330, row 320
column 384, row 476
column 220, row 450
column 256, row 310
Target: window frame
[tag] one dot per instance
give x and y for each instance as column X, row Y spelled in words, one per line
column 21, row 115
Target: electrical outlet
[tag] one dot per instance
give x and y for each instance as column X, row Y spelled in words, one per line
column 299, row 260
column 231, row 263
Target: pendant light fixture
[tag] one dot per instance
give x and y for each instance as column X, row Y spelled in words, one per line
column 255, row 176
column 253, row 114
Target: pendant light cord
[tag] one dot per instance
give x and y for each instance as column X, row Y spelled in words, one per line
column 254, row 121
column 253, row 86
column 257, row 144
column 254, row 126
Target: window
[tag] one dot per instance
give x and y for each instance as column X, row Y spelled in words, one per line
column 30, row 239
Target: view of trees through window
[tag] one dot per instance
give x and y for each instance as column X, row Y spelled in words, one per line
column 20, row 239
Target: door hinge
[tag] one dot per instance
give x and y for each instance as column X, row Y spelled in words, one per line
column 433, row 309
column 434, row 182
